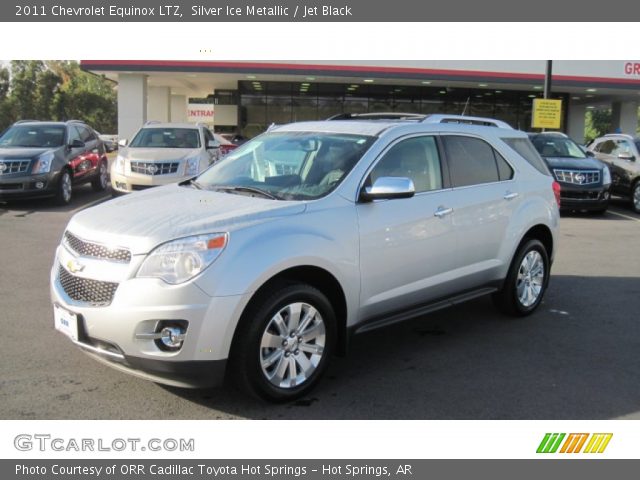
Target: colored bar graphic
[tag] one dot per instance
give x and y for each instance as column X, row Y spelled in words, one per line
column 597, row 443
column 550, row 442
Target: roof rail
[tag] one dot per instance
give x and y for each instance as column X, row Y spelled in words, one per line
column 377, row 116
column 463, row 119
column 625, row 135
column 550, row 134
column 75, row 121
column 202, row 124
column 25, row 121
column 152, row 122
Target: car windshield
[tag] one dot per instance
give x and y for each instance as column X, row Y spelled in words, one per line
column 561, row 147
column 166, row 138
column 35, row 136
column 287, row 165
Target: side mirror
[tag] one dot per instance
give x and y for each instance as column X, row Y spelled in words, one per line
column 626, row 156
column 589, row 153
column 213, row 144
column 388, row 188
column 76, row 144
column 123, row 142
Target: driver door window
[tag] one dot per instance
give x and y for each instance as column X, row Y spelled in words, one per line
column 416, row 158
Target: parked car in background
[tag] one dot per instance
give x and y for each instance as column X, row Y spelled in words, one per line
column 263, row 272
column 46, row 159
column 226, row 145
column 585, row 182
column 162, row 153
column 234, row 138
column 110, row 141
column 621, row 153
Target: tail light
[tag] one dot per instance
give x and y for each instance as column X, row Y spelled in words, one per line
column 556, row 192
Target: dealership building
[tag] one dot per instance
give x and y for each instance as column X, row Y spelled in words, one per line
column 247, row 97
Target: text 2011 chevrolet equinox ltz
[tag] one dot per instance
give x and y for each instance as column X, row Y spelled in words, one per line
column 264, row 265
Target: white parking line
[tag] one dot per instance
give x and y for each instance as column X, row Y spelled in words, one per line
column 91, row 204
column 623, row 215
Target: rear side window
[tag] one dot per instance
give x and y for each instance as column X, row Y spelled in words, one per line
column 473, row 161
column 607, row 147
column 523, row 147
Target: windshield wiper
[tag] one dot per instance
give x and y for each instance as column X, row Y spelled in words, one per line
column 237, row 188
column 196, row 184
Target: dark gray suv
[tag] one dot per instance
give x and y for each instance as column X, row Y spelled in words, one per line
column 45, row 159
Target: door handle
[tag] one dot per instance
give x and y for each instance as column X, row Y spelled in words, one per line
column 510, row 195
column 442, row 212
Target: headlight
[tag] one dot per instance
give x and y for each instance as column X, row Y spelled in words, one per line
column 606, row 176
column 192, row 166
column 43, row 164
column 118, row 165
column 182, row 259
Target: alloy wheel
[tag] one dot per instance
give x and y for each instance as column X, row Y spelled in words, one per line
column 530, row 278
column 292, row 345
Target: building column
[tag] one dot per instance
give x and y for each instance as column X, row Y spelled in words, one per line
column 624, row 117
column 159, row 104
column 179, row 108
column 576, row 122
column 132, row 104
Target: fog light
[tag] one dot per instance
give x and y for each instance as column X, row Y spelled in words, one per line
column 172, row 337
column 606, row 195
column 39, row 185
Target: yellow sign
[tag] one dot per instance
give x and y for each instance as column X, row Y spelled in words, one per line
column 546, row 113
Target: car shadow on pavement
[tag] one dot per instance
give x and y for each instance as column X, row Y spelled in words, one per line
column 575, row 358
column 83, row 195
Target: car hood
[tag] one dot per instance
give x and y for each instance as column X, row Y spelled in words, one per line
column 15, row 153
column 159, row 154
column 588, row 163
column 143, row 220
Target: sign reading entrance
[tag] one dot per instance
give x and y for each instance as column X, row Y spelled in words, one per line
column 546, row 113
column 200, row 112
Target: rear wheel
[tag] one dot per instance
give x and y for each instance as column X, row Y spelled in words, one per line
column 64, row 190
column 283, row 343
column 100, row 183
column 526, row 281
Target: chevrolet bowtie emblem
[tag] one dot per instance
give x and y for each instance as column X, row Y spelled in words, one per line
column 74, row 266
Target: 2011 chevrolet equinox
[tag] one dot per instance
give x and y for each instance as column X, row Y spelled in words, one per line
column 263, row 266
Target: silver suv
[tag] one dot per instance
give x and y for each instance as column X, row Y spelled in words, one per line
column 265, row 265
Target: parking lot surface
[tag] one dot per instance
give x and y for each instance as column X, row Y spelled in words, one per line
column 575, row 358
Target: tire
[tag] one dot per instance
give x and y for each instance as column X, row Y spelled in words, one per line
column 100, row 183
column 522, row 294
column 272, row 360
column 64, row 190
column 635, row 197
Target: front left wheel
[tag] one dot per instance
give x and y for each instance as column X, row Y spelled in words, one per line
column 284, row 342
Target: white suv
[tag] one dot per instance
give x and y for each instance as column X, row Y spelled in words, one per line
column 264, row 265
column 162, row 153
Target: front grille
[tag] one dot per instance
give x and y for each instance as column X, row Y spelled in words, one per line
column 10, row 186
column 154, row 168
column 96, row 250
column 94, row 292
column 13, row 166
column 580, row 195
column 577, row 177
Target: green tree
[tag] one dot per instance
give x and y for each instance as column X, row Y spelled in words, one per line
column 597, row 123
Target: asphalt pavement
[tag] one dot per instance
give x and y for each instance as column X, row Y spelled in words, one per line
column 577, row 357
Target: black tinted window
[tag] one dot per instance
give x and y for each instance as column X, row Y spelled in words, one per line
column 416, row 158
column 606, row 147
column 471, row 161
column 85, row 134
column 526, row 150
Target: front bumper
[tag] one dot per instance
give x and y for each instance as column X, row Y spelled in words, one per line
column 135, row 181
column 575, row 197
column 27, row 186
column 113, row 334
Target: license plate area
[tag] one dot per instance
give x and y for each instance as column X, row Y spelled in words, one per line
column 66, row 322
